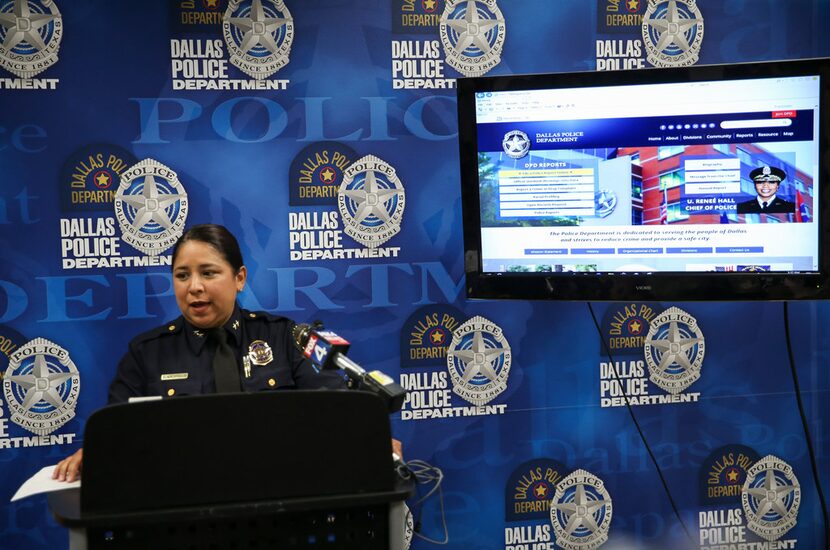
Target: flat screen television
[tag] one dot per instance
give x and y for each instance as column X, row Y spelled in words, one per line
column 695, row 183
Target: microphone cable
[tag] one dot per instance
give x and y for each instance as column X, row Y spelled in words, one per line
column 804, row 424
column 639, row 429
column 426, row 474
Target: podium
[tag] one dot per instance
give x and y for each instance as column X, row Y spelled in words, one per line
column 293, row 469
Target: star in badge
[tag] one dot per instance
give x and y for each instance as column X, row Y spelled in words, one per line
column 673, row 28
column 42, row 384
column 211, row 4
column 472, row 29
column 257, row 28
column 732, row 476
column 633, row 5
column 102, row 179
column 772, row 496
column 635, row 327
column 540, row 491
column 327, row 175
column 372, row 199
column 479, row 359
column 429, row 5
column 151, row 205
column 23, row 26
column 580, row 511
column 516, row 144
column 436, row 337
column 674, row 348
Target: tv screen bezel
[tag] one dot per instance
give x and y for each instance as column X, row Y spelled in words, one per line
column 617, row 286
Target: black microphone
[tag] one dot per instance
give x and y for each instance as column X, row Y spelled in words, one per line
column 327, row 350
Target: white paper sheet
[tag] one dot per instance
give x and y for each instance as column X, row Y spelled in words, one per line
column 42, row 482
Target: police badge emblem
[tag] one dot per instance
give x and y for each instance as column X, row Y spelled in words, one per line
column 472, row 34
column 151, row 207
column 674, row 350
column 259, row 352
column 30, row 36
column 672, row 32
column 581, row 512
column 515, row 144
column 479, row 359
column 371, row 201
column 258, row 34
column 770, row 498
column 605, row 201
column 41, row 386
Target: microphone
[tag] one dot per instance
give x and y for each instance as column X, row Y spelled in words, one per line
column 327, row 350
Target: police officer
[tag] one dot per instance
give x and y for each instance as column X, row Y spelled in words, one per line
column 767, row 179
column 214, row 346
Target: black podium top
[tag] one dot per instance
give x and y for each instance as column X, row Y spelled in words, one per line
column 228, row 454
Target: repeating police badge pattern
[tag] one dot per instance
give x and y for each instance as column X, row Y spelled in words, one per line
column 771, row 498
column 324, row 135
column 479, row 360
column 581, row 512
column 371, row 201
column 41, row 386
column 674, row 350
column 151, row 207
column 31, row 33
column 473, row 34
column 672, row 32
column 258, row 34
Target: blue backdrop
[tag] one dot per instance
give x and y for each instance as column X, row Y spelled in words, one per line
column 265, row 136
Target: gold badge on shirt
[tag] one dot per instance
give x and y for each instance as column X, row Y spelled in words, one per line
column 260, row 352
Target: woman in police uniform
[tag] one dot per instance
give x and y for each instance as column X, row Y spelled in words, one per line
column 214, row 346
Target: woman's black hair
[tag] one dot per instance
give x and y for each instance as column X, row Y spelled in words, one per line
column 216, row 236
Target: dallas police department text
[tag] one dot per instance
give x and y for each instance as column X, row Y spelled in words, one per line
column 428, row 396
column 628, row 378
column 88, row 243
column 317, row 236
column 725, row 530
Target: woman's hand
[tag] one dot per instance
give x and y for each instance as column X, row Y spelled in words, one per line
column 397, row 448
column 69, row 469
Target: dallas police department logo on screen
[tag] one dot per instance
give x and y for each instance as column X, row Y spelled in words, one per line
column 257, row 35
column 150, row 207
column 770, row 497
column 30, row 37
column 672, row 32
column 478, row 364
column 615, row 18
column 528, row 496
column 40, row 386
column 673, row 350
column 370, row 203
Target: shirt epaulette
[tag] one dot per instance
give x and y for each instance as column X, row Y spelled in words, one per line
column 263, row 316
column 172, row 327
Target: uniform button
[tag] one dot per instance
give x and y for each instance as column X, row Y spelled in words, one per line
column 171, row 327
column 171, row 392
column 272, row 382
column 252, row 315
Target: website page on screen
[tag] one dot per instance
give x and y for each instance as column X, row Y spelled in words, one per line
column 677, row 177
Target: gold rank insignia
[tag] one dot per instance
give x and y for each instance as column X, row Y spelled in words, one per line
column 260, row 352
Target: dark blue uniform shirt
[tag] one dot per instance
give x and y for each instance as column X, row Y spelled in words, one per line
column 176, row 359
